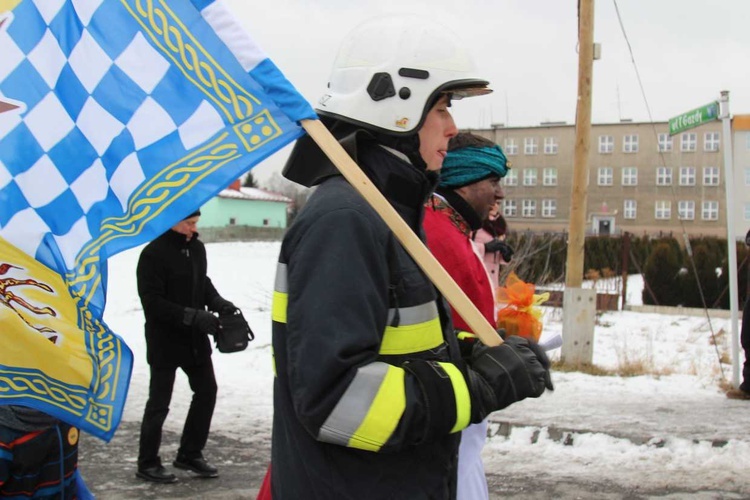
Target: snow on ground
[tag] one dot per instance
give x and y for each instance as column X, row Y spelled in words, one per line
column 680, row 365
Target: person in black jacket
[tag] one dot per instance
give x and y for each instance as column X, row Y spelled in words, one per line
column 38, row 456
column 175, row 291
column 371, row 390
column 743, row 391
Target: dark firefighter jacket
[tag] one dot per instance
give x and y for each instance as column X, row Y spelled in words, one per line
column 358, row 412
column 172, row 276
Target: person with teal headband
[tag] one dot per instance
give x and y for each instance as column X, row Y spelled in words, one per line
column 469, row 187
column 471, row 164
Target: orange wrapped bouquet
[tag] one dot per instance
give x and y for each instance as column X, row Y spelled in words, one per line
column 520, row 314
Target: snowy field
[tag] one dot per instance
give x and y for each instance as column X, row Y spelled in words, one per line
column 681, row 380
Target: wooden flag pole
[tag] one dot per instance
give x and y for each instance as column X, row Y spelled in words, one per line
column 419, row 252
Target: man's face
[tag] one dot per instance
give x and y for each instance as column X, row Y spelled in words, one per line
column 188, row 227
column 495, row 210
column 482, row 196
column 437, row 130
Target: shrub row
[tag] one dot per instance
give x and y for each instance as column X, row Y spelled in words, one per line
column 670, row 275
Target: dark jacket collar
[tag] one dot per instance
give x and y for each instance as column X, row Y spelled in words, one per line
column 462, row 207
column 178, row 239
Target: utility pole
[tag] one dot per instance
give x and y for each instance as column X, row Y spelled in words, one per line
column 625, row 265
column 579, row 305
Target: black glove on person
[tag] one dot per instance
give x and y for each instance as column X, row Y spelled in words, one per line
column 499, row 246
column 206, row 322
column 501, row 375
column 467, row 341
column 222, row 306
column 202, row 320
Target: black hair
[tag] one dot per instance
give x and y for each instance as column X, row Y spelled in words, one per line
column 468, row 140
column 497, row 227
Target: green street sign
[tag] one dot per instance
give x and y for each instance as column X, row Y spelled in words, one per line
column 693, row 118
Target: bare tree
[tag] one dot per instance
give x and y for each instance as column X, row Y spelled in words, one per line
column 298, row 193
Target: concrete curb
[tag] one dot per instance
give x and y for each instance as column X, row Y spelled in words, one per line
column 567, row 436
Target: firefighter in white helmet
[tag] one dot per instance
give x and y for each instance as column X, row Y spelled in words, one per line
column 371, row 390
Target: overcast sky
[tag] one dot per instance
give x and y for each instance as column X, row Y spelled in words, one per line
column 686, row 51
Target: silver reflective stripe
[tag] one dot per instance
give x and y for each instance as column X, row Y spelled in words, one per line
column 354, row 405
column 281, row 285
column 415, row 314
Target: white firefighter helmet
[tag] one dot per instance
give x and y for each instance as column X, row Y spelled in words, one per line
column 391, row 69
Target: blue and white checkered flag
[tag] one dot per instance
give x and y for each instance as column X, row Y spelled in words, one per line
column 117, row 118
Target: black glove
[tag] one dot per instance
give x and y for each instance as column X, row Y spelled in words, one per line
column 467, row 341
column 499, row 246
column 222, row 306
column 205, row 322
column 502, row 375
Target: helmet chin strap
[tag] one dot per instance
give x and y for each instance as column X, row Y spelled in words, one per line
column 408, row 145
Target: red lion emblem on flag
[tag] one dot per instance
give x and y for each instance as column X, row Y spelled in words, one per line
column 12, row 301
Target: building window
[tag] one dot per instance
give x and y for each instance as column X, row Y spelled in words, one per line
column 266, row 222
column 606, row 143
column 665, row 143
column 529, row 208
column 529, row 177
column 747, row 211
column 664, row 176
column 686, row 210
column 550, row 145
column 687, row 176
column 747, row 177
column 549, row 208
column 710, row 210
column 511, row 178
column 663, row 210
column 629, row 208
column 510, row 208
column 630, row 144
column 710, row 176
column 629, row 176
column 604, row 176
column 530, row 146
column 511, row 147
column 711, row 141
column 687, row 141
column 232, row 221
column 549, row 177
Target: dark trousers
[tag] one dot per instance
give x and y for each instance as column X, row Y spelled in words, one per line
column 198, row 422
column 745, row 339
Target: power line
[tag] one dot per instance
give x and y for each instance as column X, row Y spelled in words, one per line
column 674, row 194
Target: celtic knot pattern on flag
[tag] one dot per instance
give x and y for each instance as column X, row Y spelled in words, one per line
column 117, row 118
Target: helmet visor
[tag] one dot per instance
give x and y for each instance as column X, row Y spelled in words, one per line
column 468, row 88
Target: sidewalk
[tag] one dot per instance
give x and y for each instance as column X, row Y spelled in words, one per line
column 641, row 410
column 640, row 413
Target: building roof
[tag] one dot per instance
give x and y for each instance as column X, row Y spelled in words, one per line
column 248, row 193
column 741, row 122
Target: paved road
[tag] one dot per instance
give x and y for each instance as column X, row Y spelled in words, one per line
column 109, row 470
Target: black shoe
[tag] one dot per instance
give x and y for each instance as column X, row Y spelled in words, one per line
column 738, row 394
column 156, row 474
column 197, row 465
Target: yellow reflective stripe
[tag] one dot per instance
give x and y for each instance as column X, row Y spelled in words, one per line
column 461, row 391
column 461, row 335
column 412, row 338
column 384, row 414
column 278, row 307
